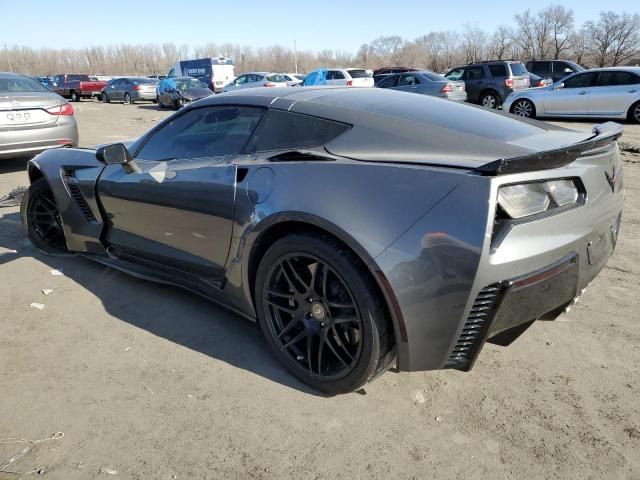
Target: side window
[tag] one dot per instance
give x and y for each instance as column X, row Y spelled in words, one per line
column 582, row 80
column 617, row 78
column 540, row 68
column 563, row 67
column 388, row 82
column 284, row 130
column 455, row 74
column 338, row 75
column 407, row 81
column 330, row 75
column 241, row 79
column 498, row 70
column 203, row 132
column 172, row 73
column 474, row 73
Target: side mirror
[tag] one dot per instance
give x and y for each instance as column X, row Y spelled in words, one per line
column 117, row 154
column 559, row 86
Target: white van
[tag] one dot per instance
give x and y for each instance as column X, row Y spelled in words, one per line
column 215, row 72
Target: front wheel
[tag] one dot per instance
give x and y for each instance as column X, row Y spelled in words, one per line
column 322, row 314
column 42, row 219
column 490, row 100
column 105, row 98
column 127, row 99
column 524, row 108
column 74, row 96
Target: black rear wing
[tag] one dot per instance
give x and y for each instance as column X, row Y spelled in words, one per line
column 603, row 134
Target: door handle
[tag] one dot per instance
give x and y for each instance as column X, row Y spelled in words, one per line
column 582, row 93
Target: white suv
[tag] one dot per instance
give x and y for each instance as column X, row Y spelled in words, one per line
column 350, row 77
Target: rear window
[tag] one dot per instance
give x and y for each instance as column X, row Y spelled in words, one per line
column 518, row 69
column 284, row 130
column 277, row 78
column 20, row 84
column 434, row 77
column 359, row 73
column 498, row 70
column 142, row 81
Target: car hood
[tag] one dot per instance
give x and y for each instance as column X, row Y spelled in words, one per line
column 195, row 93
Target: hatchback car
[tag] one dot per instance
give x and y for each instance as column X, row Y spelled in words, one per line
column 33, row 118
column 426, row 83
column 130, row 90
column 257, row 79
column 489, row 83
column 602, row 93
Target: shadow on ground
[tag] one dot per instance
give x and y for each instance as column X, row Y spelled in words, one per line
column 168, row 312
column 10, row 165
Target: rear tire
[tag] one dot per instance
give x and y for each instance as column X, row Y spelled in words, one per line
column 490, row 99
column 127, row 99
column 105, row 98
column 524, row 108
column 322, row 314
column 42, row 219
column 634, row 113
column 74, row 96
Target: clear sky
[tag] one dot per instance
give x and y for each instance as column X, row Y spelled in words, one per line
column 315, row 25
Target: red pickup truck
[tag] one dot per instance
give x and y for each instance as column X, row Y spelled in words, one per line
column 77, row 87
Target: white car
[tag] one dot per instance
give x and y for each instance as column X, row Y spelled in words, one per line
column 293, row 79
column 349, row 77
column 257, row 79
column 601, row 92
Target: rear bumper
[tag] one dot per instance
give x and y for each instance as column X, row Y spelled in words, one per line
column 17, row 143
column 150, row 95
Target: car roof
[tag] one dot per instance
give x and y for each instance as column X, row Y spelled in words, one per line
column 393, row 126
column 622, row 69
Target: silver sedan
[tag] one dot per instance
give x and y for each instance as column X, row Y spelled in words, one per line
column 257, row 79
column 601, row 93
column 33, row 118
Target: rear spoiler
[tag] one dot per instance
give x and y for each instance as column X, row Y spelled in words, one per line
column 603, row 135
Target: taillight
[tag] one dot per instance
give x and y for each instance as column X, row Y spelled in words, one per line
column 269, row 84
column 65, row 109
column 349, row 83
column 446, row 89
column 540, row 83
column 508, row 82
column 137, row 88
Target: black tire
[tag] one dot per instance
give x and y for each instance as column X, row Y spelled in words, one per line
column 127, row 99
column 524, row 107
column 333, row 308
column 159, row 102
column 490, row 99
column 177, row 104
column 42, row 219
column 74, row 96
column 634, row 113
column 105, row 98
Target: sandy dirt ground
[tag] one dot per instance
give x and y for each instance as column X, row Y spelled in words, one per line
column 151, row 382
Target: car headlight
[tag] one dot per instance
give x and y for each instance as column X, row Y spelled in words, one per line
column 527, row 199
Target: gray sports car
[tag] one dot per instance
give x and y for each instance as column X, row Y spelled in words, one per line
column 361, row 228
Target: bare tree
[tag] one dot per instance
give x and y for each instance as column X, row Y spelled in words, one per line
column 474, row 41
column 614, row 38
column 501, row 42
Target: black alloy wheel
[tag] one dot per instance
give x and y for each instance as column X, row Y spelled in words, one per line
column 44, row 224
column 321, row 314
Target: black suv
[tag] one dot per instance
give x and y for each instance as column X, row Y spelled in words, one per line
column 489, row 83
column 553, row 69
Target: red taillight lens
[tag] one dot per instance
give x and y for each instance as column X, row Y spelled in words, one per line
column 540, row 83
column 508, row 82
column 447, row 88
column 65, row 109
column 269, row 84
column 349, row 83
column 137, row 88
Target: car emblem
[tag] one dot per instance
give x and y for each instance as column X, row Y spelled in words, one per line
column 611, row 179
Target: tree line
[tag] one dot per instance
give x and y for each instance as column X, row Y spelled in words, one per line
column 550, row 33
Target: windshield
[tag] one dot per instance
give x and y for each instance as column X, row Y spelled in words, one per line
column 359, row 73
column 20, row 84
column 187, row 84
column 518, row 69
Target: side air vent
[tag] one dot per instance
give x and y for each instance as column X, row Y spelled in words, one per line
column 78, row 199
column 478, row 320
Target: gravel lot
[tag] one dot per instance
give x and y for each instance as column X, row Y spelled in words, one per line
column 152, row 382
